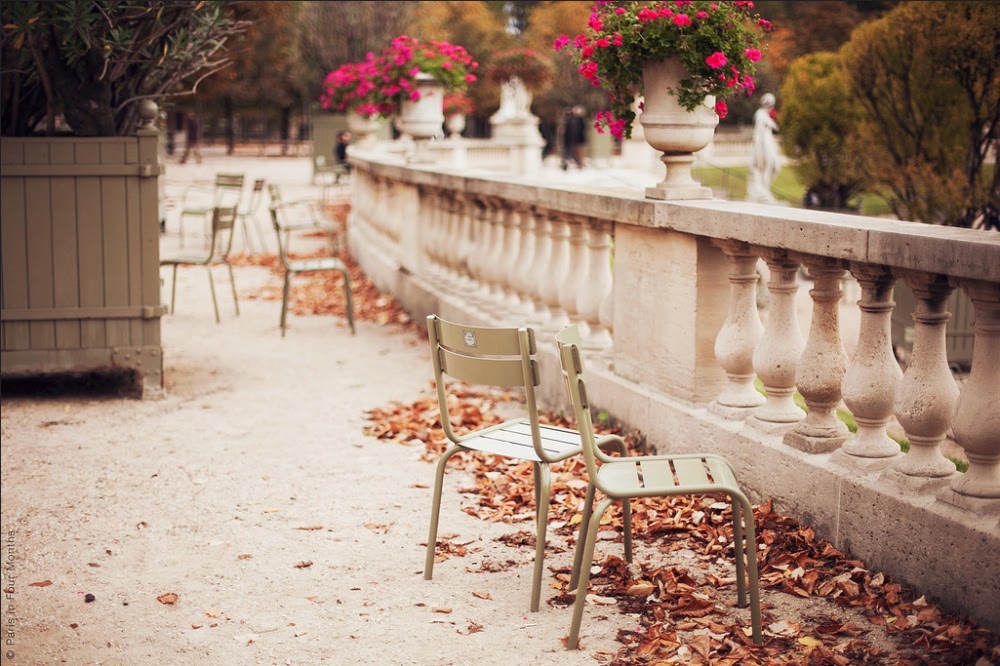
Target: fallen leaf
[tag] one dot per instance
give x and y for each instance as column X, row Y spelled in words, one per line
column 244, row 556
column 442, row 610
column 304, row 564
column 483, row 595
column 810, row 641
column 196, row 626
column 168, row 599
column 641, row 589
column 271, row 510
column 41, row 583
column 213, row 614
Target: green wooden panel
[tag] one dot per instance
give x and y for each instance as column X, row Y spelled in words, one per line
column 36, row 153
column 13, row 250
column 12, row 153
column 91, row 256
column 87, row 153
column 65, row 259
column 134, row 254
column 38, row 229
column 114, row 232
column 62, row 153
column 149, row 235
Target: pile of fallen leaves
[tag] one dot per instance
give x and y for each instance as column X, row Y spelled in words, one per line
column 323, row 292
column 685, row 606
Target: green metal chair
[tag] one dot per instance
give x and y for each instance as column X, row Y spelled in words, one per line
column 250, row 214
column 501, row 357
column 228, row 192
column 223, row 228
column 282, row 230
column 648, row 476
column 306, row 217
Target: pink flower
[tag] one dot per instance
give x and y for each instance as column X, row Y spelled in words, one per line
column 682, row 20
column 414, row 95
column 716, row 60
column 561, row 41
column 752, row 54
column 620, row 11
column 414, row 71
column 765, row 25
column 702, row 15
column 714, row 7
column 748, row 84
column 617, row 39
column 470, row 78
column 721, row 109
column 580, row 41
column 602, row 43
column 595, row 22
column 645, row 15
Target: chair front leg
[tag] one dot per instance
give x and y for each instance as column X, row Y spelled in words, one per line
column 347, row 297
column 211, row 286
column 739, row 552
column 232, row 281
column 284, row 300
column 751, row 551
column 436, row 511
column 173, row 291
column 543, row 485
column 586, row 558
column 588, row 507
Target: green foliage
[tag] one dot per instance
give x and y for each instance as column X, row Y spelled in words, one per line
column 818, row 116
column 927, row 77
column 533, row 69
column 91, row 60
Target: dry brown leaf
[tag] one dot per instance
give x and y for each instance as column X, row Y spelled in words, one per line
column 41, row 583
column 483, row 595
column 442, row 610
column 244, row 556
column 304, row 564
column 168, row 599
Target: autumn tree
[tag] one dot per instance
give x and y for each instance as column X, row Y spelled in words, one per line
column 819, row 115
column 927, row 77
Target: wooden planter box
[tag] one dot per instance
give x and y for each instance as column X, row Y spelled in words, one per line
column 80, row 256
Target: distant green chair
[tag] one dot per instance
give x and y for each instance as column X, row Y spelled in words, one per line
column 283, row 229
column 228, row 192
column 648, row 476
column 501, row 357
column 250, row 214
column 223, row 229
column 303, row 215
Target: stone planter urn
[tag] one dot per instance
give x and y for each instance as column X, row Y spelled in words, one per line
column 455, row 123
column 676, row 132
column 363, row 128
column 422, row 119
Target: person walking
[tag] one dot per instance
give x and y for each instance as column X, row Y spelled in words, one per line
column 574, row 137
column 193, row 145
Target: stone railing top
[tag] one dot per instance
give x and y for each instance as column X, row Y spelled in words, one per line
column 960, row 253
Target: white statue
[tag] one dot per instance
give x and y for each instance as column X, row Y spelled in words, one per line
column 764, row 153
column 515, row 101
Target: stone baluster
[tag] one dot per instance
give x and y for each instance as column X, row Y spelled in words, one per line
column 496, row 274
column 873, row 375
column 465, row 245
column 541, row 269
column 740, row 334
column 575, row 275
column 447, row 241
column 510, row 256
column 928, row 392
column 597, row 286
column 552, row 282
column 976, row 423
column 777, row 355
column 439, row 234
column 823, row 363
column 522, row 275
column 485, row 242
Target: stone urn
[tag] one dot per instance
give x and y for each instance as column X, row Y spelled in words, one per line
column 363, row 128
column 422, row 119
column 673, row 130
column 455, row 123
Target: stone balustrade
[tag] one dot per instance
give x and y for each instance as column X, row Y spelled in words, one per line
column 665, row 294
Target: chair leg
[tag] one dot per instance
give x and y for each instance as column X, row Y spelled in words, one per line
column 350, row 304
column 588, row 509
column 587, row 546
column 626, row 515
column 543, row 485
column 173, row 290
column 232, row 282
column 740, row 553
column 284, row 301
column 211, row 285
column 251, row 248
column 436, row 511
column 751, row 551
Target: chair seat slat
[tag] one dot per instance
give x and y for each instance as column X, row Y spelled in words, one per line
column 691, row 472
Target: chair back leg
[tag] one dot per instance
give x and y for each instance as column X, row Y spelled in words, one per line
column 543, row 483
column 211, row 286
column 348, row 302
column 232, row 282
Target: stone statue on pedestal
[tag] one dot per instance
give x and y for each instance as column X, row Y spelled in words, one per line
column 764, row 153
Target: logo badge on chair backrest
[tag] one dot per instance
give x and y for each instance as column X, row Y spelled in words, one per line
column 470, row 338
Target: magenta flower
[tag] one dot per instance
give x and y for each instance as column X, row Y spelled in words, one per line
column 682, row 20
column 595, row 22
column 702, row 14
column 471, row 78
column 561, row 41
column 414, row 95
column 721, row 109
column 753, row 55
column 716, row 60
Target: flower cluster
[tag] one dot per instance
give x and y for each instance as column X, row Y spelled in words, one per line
column 718, row 43
column 535, row 70
column 380, row 84
column 458, row 102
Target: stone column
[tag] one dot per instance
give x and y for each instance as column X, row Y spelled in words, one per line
column 928, row 393
column 522, row 276
column 976, row 423
column 482, row 237
column 823, row 363
column 509, row 255
column 575, row 275
column 465, row 222
column 776, row 357
column 597, row 287
column 873, row 375
column 739, row 335
column 541, row 267
column 557, row 268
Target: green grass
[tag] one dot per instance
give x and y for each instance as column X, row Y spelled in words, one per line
column 786, row 187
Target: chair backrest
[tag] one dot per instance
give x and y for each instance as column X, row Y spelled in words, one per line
column 275, row 193
column 223, row 223
column 256, row 194
column 485, row 356
column 279, row 229
column 571, row 361
column 228, row 189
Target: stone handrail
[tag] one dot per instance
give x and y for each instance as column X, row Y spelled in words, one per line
column 665, row 294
